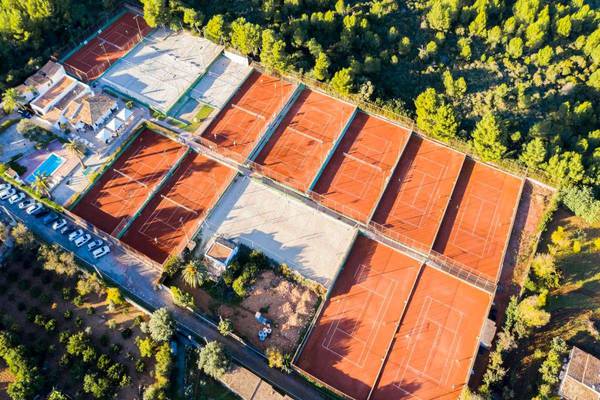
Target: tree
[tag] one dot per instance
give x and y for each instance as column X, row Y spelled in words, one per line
column 161, row 325
column 277, row 359
column 531, row 314
column 545, row 270
column 534, row 153
column 182, row 298
column 75, row 149
column 515, row 47
column 145, row 346
column 23, row 237
column 114, row 296
column 563, row 26
column 193, row 274
column 581, row 200
column 215, row 29
column 320, row 70
column 54, row 259
column 98, row 387
column 566, row 168
column 442, row 14
column 273, row 54
column 57, row 395
column 41, row 185
column 88, row 284
column 156, row 12
column 536, row 32
column 225, row 326
column 434, row 116
column 343, row 81
column 212, row 360
column 245, row 36
column 164, row 363
column 489, row 138
column 11, row 100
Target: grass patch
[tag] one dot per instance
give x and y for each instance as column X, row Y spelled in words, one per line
column 574, row 306
column 203, row 113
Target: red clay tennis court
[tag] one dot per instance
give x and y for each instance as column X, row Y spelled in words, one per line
column 299, row 146
column 437, row 340
column 95, row 57
column 358, row 171
column 173, row 215
column 477, row 226
column 240, row 124
column 124, row 187
column 348, row 344
column 418, row 194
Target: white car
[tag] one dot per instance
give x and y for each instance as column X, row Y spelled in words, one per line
column 59, row 224
column 26, row 203
column 33, row 208
column 83, row 239
column 7, row 193
column 101, row 251
column 75, row 234
column 94, row 243
column 4, row 186
column 15, row 198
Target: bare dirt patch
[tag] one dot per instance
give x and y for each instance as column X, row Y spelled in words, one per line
column 288, row 305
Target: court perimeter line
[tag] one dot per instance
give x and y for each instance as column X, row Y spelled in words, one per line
column 397, row 328
column 441, row 220
column 389, row 176
column 512, row 225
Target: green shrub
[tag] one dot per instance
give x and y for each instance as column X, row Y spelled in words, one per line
column 582, row 202
column 182, row 298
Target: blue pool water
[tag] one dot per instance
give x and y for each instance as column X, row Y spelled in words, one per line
column 47, row 168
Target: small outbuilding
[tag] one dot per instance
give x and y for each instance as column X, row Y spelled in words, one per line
column 219, row 254
column 580, row 377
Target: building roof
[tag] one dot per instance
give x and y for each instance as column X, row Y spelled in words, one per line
column 220, row 250
column 43, row 75
column 75, row 91
column 95, row 107
column 581, row 380
column 487, row 333
column 54, row 92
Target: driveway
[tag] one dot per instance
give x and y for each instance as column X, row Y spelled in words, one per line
column 138, row 280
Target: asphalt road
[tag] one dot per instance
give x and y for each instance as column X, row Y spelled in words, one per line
column 138, row 279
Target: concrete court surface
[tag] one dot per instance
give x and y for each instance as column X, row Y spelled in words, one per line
column 286, row 230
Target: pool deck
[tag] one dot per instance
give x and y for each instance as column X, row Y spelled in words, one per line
column 35, row 159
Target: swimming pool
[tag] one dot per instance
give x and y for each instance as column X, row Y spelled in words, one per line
column 50, row 164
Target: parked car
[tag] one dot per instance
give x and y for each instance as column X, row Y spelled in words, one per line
column 50, row 218
column 101, row 251
column 40, row 212
column 75, row 234
column 7, row 193
column 83, row 239
column 4, row 186
column 26, row 203
column 61, row 223
column 34, row 208
column 15, row 198
column 24, row 113
column 94, row 244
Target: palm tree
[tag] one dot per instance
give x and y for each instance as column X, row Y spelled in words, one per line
column 41, row 185
column 11, row 99
column 193, row 274
column 75, row 149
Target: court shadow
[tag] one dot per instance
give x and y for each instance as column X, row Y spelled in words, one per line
column 441, row 241
column 330, row 360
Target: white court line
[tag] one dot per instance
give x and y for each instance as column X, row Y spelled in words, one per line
column 492, row 226
column 425, row 322
column 375, row 322
column 343, row 178
column 424, row 185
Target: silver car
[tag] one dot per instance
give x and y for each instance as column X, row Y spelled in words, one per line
column 83, row 239
column 94, row 244
column 26, row 203
column 33, row 208
column 59, row 224
column 15, row 198
column 7, row 193
column 101, row 251
column 75, row 234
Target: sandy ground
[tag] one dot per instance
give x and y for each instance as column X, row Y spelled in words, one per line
column 289, row 306
column 283, row 228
